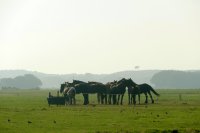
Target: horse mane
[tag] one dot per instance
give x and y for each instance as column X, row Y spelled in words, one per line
column 78, row 81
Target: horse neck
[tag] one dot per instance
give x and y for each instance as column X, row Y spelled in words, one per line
column 66, row 89
column 62, row 87
column 122, row 85
column 71, row 91
column 129, row 87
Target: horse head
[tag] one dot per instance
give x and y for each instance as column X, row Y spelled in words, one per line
column 131, row 82
column 62, row 86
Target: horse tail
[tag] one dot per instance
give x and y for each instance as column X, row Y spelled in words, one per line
column 154, row 91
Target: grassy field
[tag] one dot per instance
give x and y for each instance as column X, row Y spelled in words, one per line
column 174, row 110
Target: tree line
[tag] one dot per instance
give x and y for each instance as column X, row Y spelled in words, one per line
column 176, row 79
column 27, row 81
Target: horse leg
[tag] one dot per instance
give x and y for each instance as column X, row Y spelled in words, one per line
column 84, row 103
column 139, row 98
column 122, row 99
column 74, row 100
column 65, row 102
column 87, row 98
column 70, row 101
column 114, row 99
column 109, row 98
column 102, row 98
column 106, row 99
column 118, row 99
column 134, row 99
column 98, row 98
column 151, row 97
column 146, row 101
column 129, row 98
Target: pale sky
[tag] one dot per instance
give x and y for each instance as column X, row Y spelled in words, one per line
column 99, row 36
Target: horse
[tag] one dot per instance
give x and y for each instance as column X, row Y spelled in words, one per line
column 142, row 88
column 69, row 94
column 87, row 88
column 132, row 92
column 91, row 88
column 76, row 85
column 101, row 91
column 118, row 88
column 109, row 86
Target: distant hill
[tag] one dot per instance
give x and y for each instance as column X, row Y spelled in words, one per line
column 176, row 79
column 27, row 81
column 54, row 80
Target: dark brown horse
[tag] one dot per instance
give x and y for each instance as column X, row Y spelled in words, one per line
column 101, row 91
column 131, row 90
column 118, row 89
column 88, row 88
column 111, row 96
column 80, row 87
column 139, row 89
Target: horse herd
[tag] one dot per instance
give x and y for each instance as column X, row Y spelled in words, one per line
column 109, row 93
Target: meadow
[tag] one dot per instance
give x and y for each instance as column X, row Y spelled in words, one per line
column 27, row 111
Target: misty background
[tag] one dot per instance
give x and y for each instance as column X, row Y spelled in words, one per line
column 99, row 36
column 96, row 40
column 162, row 79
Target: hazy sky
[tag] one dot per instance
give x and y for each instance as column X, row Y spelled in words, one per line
column 99, row 36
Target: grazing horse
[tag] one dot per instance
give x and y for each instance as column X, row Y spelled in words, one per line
column 142, row 88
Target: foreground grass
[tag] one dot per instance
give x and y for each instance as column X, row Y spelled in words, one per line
column 174, row 110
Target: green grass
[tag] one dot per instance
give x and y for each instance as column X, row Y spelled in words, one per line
column 168, row 113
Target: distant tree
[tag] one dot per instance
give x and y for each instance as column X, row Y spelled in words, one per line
column 176, row 79
column 7, row 82
column 26, row 81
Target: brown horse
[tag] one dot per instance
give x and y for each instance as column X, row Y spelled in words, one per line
column 118, row 88
column 101, row 95
column 78, row 85
column 139, row 89
column 88, row 88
